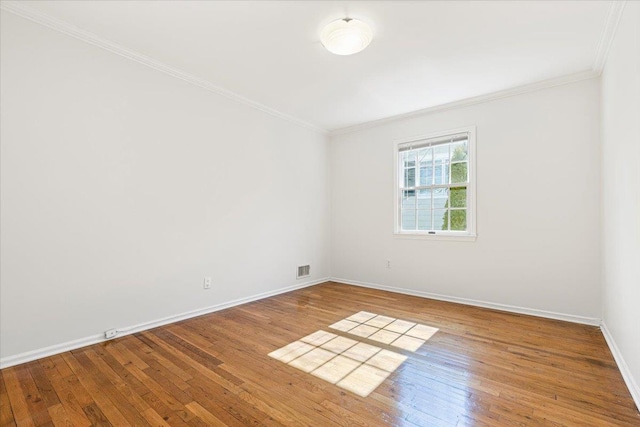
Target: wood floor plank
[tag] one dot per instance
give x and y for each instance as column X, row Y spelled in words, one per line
column 205, row 415
column 96, row 416
column 103, row 406
column 36, row 406
column 65, row 393
column 16, row 397
column 109, row 389
column 131, row 394
column 59, row 416
column 173, row 417
column 6, row 413
column 482, row 368
column 45, row 390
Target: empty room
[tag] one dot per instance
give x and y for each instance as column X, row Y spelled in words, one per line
column 319, row 213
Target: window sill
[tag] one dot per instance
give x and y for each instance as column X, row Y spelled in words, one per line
column 445, row 237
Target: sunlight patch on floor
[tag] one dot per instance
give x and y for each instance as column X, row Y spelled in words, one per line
column 348, row 363
column 387, row 330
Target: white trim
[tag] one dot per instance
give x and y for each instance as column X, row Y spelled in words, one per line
column 608, row 34
column 519, row 90
column 444, row 237
column 633, row 387
column 471, row 233
column 592, row 321
column 18, row 8
column 28, row 356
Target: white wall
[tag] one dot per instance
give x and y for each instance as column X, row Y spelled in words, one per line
column 537, row 205
column 621, row 194
column 123, row 187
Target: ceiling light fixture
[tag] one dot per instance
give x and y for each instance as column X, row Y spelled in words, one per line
column 346, row 36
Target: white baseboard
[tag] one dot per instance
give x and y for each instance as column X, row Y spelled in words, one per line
column 29, row 356
column 622, row 365
column 503, row 307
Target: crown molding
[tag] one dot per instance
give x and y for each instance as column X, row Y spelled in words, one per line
column 18, row 8
column 608, row 34
column 532, row 87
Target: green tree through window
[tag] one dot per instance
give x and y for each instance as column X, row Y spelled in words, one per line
column 457, row 195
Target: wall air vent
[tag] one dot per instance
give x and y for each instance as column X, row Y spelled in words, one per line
column 303, row 271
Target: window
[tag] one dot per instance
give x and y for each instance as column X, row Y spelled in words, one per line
column 435, row 190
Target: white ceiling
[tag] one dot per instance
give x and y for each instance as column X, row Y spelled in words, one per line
column 423, row 54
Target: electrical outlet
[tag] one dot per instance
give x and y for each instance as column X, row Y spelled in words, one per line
column 111, row 333
column 207, row 283
column 388, row 263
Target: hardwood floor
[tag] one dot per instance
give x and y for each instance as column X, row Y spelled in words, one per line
column 482, row 367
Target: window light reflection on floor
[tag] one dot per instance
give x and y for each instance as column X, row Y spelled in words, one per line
column 348, row 363
column 387, row 330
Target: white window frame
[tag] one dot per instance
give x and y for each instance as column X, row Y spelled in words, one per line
column 468, row 235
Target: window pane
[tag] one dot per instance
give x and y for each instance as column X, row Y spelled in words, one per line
column 459, row 151
column 441, row 164
column 408, row 163
column 437, row 174
column 458, row 219
column 441, row 152
column 458, row 197
column 426, row 173
column 408, row 219
column 408, row 210
column 425, row 155
column 407, row 156
column 409, row 177
column 459, row 172
column 440, row 219
column 440, row 197
column 424, row 199
column 424, row 219
column 408, row 199
column 441, row 172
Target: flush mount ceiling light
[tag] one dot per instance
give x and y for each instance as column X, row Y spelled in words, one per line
column 346, row 36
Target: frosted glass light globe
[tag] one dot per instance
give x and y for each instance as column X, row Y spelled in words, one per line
column 346, row 36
